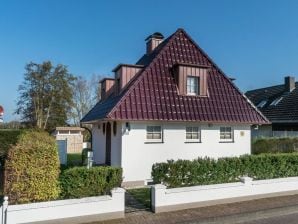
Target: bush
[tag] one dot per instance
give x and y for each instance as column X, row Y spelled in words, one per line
column 85, row 155
column 74, row 159
column 225, row 170
column 80, row 182
column 275, row 145
column 8, row 138
column 32, row 169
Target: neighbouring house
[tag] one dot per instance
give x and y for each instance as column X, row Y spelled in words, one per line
column 174, row 103
column 280, row 105
column 70, row 138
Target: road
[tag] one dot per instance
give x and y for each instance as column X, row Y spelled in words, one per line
column 287, row 219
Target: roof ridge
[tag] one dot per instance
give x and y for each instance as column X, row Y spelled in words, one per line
column 280, row 85
column 137, row 79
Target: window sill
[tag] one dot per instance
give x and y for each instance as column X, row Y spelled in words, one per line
column 231, row 141
column 187, row 142
column 153, row 142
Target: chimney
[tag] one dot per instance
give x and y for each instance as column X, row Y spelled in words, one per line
column 289, row 83
column 107, row 87
column 153, row 41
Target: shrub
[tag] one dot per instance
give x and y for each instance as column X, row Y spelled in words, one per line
column 32, row 169
column 210, row 171
column 74, row 159
column 8, row 138
column 85, row 155
column 275, row 145
column 80, row 182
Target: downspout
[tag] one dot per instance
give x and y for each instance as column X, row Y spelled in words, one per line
column 90, row 132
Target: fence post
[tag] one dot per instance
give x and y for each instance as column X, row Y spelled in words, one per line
column 157, row 194
column 4, row 210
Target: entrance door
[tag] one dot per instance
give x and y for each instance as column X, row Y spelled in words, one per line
column 108, row 144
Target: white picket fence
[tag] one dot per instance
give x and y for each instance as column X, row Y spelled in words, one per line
column 88, row 209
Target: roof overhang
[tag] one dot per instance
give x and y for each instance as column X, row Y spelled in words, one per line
column 127, row 65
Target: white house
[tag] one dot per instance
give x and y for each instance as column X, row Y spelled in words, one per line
column 174, row 103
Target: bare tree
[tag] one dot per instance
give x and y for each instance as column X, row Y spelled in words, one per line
column 86, row 93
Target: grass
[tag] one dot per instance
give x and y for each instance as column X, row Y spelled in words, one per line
column 142, row 195
column 74, row 159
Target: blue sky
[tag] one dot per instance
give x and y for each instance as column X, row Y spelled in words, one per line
column 254, row 41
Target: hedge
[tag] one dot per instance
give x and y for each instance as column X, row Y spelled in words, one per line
column 32, row 169
column 80, row 182
column 225, row 170
column 8, row 138
column 275, row 145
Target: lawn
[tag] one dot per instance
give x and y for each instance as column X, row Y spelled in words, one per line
column 142, row 195
column 74, row 159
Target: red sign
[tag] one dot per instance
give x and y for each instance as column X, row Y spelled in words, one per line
column 1, row 110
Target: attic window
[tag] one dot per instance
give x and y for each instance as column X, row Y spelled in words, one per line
column 262, row 104
column 276, row 101
column 191, row 79
column 192, row 85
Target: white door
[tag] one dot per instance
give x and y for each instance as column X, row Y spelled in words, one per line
column 62, row 149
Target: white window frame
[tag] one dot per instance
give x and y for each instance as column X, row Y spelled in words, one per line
column 231, row 133
column 198, row 132
column 192, row 89
column 154, row 140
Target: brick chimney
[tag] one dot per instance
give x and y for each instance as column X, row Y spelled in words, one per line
column 289, row 83
column 153, row 41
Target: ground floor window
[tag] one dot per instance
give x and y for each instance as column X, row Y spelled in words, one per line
column 193, row 134
column 154, row 133
column 226, row 134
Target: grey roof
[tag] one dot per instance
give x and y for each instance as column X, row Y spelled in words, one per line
column 286, row 110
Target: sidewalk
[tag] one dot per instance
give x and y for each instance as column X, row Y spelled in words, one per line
column 229, row 213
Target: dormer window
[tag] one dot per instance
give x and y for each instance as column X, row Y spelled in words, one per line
column 191, row 79
column 192, row 85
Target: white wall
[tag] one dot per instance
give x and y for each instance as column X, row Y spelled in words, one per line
column 107, row 207
column 187, row 197
column 139, row 156
column 98, row 144
column 116, row 145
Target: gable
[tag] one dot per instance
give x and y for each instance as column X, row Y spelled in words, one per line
column 154, row 94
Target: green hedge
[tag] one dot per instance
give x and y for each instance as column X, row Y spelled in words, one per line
column 80, row 182
column 8, row 138
column 275, row 145
column 209, row 171
column 32, row 169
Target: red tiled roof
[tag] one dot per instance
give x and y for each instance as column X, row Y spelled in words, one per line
column 153, row 95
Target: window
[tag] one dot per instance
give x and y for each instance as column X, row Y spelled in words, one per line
column 193, row 134
column 192, row 85
column 276, row 101
column 262, row 104
column 154, row 133
column 226, row 134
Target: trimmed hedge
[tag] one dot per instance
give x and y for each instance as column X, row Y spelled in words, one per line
column 275, row 145
column 32, row 169
column 8, row 138
column 224, row 170
column 78, row 182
